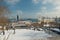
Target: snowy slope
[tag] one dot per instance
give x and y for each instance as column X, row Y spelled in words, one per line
column 26, row 34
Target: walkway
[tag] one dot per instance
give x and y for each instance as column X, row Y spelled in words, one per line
column 26, row 34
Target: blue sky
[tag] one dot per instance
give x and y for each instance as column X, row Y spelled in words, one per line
column 33, row 8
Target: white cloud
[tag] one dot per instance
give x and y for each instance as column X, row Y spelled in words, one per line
column 55, row 12
column 56, row 2
column 43, row 1
column 49, row 14
column 12, row 2
column 46, row 1
column 57, row 8
column 44, row 8
column 19, row 12
column 36, row 1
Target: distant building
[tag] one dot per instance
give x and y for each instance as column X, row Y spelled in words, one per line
column 17, row 18
column 46, row 20
column 12, row 20
column 57, row 20
column 49, row 20
column 21, row 23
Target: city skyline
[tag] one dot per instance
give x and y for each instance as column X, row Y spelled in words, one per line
column 33, row 8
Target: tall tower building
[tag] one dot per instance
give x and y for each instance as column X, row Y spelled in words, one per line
column 17, row 18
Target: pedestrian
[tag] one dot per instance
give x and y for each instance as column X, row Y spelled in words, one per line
column 7, row 28
column 14, row 29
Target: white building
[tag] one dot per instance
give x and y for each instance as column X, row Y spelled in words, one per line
column 45, row 19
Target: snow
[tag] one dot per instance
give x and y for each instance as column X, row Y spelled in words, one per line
column 0, row 31
column 56, row 29
column 46, row 25
column 26, row 34
column 7, row 33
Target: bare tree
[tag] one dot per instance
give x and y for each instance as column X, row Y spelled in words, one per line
column 3, row 22
column 3, row 19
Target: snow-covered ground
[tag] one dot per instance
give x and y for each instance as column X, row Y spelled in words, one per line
column 7, row 33
column 56, row 29
column 26, row 34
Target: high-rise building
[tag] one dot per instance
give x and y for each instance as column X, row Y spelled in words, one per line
column 17, row 18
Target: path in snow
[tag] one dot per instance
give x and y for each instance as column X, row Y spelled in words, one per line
column 26, row 34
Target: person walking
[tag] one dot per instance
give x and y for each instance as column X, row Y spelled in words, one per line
column 14, row 29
